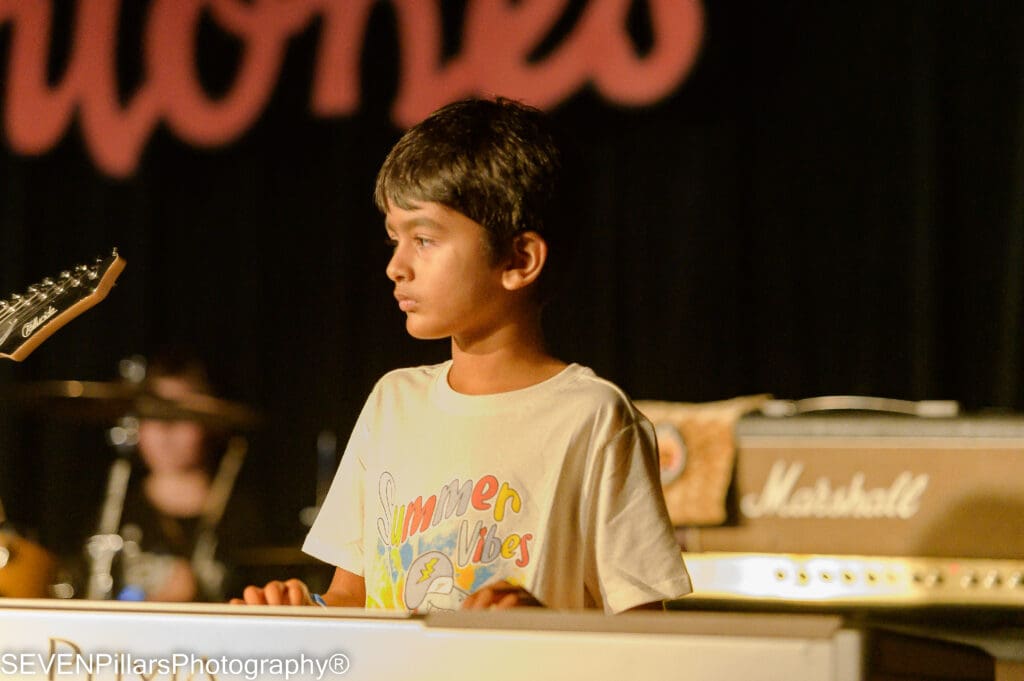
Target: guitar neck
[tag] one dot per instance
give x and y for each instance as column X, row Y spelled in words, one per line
column 27, row 320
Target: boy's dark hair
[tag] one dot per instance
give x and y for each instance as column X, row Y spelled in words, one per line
column 493, row 160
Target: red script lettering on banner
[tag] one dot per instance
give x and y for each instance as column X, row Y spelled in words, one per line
column 498, row 37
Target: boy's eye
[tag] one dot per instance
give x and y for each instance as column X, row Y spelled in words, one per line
column 420, row 242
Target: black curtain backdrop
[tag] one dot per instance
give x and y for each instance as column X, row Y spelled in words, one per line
column 831, row 203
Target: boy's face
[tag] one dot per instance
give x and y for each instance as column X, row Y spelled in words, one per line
column 445, row 279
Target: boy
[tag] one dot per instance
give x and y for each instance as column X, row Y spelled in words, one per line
column 504, row 476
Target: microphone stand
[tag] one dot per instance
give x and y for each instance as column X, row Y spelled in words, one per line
column 103, row 546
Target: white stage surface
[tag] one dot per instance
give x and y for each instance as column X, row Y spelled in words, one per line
column 44, row 639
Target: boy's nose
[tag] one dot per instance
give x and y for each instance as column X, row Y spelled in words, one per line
column 397, row 270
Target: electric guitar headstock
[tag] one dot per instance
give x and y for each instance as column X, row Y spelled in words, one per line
column 27, row 319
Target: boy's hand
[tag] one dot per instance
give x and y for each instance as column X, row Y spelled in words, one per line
column 291, row 592
column 500, row 596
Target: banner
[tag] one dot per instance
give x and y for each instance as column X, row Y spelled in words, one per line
column 497, row 41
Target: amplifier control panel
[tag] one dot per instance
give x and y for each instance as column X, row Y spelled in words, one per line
column 866, row 581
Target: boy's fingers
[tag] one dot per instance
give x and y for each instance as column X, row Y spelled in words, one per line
column 296, row 592
column 292, row 592
column 501, row 595
column 272, row 593
column 479, row 600
column 253, row 595
column 471, row 601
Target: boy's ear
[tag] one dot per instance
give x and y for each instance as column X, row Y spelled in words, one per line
column 525, row 262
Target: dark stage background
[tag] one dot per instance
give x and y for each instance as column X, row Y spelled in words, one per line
column 830, row 202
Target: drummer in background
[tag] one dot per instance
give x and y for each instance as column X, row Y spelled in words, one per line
column 166, row 521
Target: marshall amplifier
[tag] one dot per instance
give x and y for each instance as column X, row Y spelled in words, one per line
column 868, row 484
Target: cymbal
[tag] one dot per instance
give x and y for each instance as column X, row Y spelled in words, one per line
column 107, row 402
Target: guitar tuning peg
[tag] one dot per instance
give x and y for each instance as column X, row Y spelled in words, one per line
column 74, row 290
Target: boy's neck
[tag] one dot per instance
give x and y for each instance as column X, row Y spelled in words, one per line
column 512, row 358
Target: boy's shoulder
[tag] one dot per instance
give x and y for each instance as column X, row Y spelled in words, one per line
column 589, row 392
column 410, row 378
column 415, row 373
column 585, row 382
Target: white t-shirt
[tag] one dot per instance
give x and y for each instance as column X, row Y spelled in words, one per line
column 554, row 487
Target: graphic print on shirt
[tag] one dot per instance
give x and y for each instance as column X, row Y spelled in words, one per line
column 433, row 552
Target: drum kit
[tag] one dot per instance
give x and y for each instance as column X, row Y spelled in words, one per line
column 27, row 570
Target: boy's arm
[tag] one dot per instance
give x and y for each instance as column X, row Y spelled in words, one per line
column 347, row 589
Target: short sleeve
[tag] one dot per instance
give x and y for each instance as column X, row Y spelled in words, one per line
column 635, row 556
column 336, row 536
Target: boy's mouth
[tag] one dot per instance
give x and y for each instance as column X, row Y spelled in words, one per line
column 405, row 303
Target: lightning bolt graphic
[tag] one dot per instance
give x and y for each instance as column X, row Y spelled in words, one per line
column 428, row 569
